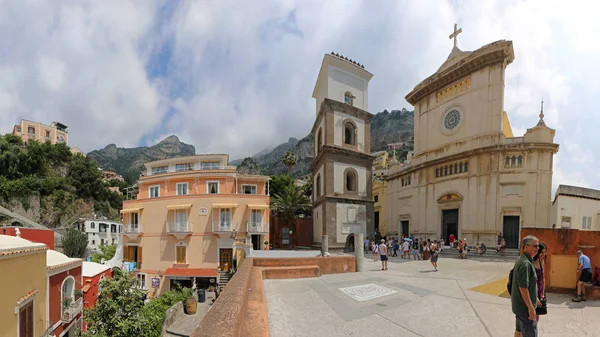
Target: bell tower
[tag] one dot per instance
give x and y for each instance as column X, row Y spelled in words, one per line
column 342, row 166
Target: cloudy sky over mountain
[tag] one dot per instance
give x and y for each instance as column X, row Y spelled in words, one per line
column 237, row 76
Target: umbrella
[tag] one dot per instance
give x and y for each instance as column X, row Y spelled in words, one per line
column 407, row 239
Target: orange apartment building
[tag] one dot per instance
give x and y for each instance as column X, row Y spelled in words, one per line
column 54, row 133
column 188, row 214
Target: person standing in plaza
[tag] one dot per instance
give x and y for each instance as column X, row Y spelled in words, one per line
column 367, row 244
column 524, row 289
column 415, row 249
column 434, row 254
column 383, row 249
column 584, row 270
column 405, row 249
column 374, row 250
column 538, row 262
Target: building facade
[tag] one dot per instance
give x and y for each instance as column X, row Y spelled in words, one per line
column 187, row 216
column 65, row 300
column 23, row 310
column 342, row 165
column 100, row 233
column 576, row 207
column 92, row 274
column 469, row 175
column 380, row 219
column 54, row 133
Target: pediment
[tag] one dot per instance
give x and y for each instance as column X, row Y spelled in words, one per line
column 450, row 197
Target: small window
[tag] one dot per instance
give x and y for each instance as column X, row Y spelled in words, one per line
column 210, row 165
column 159, row 170
column 93, row 225
column 141, row 281
column 460, row 167
column 248, row 189
column 466, row 166
column 93, row 242
column 520, row 161
column 212, row 187
column 182, row 188
column 319, row 140
column 437, row 172
column 350, row 181
column 31, row 130
column 154, row 191
column 101, row 242
column 376, row 198
column 349, row 133
column 507, row 162
column 180, row 252
column 47, row 134
column 450, row 169
column 318, row 185
column 183, row 167
column 445, row 170
column 113, row 241
column 513, row 161
column 113, row 228
column 349, row 98
column 586, row 222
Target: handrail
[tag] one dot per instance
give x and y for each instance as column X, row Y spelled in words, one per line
column 223, row 226
column 180, row 227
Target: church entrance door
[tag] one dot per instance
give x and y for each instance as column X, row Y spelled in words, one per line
column 404, row 228
column 510, row 231
column 449, row 223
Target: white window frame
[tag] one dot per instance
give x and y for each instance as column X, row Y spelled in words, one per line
column 256, row 211
column 210, row 165
column 159, row 169
column 218, row 186
column 181, row 244
column 139, row 277
column 150, row 191
column 251, row 185
column 184, row 167
column 93, row 225
column 586, row 222
column 182, row 184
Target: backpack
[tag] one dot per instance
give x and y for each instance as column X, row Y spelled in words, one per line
column 415, row 245
column 510, row 281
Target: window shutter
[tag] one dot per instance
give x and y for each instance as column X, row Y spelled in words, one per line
column 139, row 257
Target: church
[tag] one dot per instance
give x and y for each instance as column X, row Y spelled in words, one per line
column 469, row 175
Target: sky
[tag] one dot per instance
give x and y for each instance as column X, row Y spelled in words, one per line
column 237, row 76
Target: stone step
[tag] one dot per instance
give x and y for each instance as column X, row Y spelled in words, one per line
column 291, row 272
column 488, row 253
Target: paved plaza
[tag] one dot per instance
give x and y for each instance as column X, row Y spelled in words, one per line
column 411, row 300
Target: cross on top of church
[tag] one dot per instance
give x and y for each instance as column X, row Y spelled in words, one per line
column 455, row 34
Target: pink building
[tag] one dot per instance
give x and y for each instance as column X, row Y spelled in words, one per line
column 93, row 273
column 54, row 133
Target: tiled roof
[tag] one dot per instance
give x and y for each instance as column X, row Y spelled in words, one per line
column 576, row 191
column 26, row 297
column 12, row 245
column 347, row 59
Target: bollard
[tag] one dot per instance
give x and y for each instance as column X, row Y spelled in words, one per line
column 359, row 251
column 325, row 245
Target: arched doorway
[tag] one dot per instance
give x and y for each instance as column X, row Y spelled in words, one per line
column 349, row 247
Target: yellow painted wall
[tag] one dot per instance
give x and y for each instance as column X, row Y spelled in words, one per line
column 380, row 190
column 21, row 275
column 506, row 125
column 563, row 271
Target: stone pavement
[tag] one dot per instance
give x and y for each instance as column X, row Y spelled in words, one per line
column 411, row 300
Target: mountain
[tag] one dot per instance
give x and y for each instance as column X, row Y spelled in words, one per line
column 387, row 127
column 130, row 162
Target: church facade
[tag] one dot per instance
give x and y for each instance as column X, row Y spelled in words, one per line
column 342, row 166
column 470, row 176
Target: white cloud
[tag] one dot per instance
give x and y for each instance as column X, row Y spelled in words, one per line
column 241, row 73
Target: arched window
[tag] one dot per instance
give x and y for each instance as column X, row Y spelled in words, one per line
column 350, row 180
column 349, row 98
column 520, row 161
column 466, row 166
column 460, row 167
column 67, row 292
column 513, row 162
column 450, row 170
column 319, row 140
column 455, row 168
column 181, row 252
column 436, row 172
column 507, row 161
column 318, row 185
column 349, row 133
column 445, row 170
column 376, row 198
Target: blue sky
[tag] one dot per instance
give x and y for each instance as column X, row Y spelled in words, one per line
column 237, row 76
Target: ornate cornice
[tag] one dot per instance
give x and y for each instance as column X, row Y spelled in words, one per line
column 493, row 53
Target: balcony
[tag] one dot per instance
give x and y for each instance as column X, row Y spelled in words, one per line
column 70, row 312
column 133, row 231
column 257, row 227
column 180, row 229
column 188, row 169
column 223, row 228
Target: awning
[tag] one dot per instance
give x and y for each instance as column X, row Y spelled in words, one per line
column 131, row 210
column 224, row 205
column 191, row 272
column 258, row 206
column 184, row 206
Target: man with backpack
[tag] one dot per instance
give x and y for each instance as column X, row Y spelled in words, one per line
column 415, row 249
column 523, row 289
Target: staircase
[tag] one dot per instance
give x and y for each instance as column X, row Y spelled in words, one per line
column 224, row 278
column 510, row 253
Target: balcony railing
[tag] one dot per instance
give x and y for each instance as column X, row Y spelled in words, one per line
column 223, row 226
column 133, row 228
column 258, row 227
column 191, row 168
column 179, row 227
column 72, row 311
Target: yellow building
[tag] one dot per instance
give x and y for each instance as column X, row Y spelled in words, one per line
column 187, row 216
column 380, row 199
column 24, row 288
column 54, row 133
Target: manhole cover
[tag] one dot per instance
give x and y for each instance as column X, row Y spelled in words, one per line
column 367, row 292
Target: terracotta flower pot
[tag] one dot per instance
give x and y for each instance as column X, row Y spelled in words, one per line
column 191, row 305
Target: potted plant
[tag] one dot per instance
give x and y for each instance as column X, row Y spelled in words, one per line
column 66, row 302
column 266, row 244
column 78, row 294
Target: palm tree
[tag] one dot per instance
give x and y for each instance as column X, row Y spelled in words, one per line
column 289, row 203
column 289, row 159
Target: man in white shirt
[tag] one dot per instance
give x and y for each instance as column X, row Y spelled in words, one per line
column 405, row 249
column 383, row 252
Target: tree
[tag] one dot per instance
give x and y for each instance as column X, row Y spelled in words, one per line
column 154, row 313
column 106, row 253
column 289, row 204
column 74, row 243
column 289, row 159
column 278, row 183
column 117, row 312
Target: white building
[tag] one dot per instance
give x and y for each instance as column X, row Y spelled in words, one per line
column 576, row 207
column 100, row 233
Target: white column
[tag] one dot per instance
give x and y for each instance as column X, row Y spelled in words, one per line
column 359, row 251
column 236, row 185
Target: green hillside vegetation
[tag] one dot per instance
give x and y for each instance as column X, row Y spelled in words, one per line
column 62, row 182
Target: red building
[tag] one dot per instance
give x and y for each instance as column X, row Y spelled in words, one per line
column 45, row 236
column 65, row 298
column 92, row 273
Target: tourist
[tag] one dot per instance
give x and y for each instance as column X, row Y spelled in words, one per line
column 477, row 248
column 415, row 249
column 524, row 289
column 538, row 262
column 483, row 248
column 502, row 247
column 434, row 255
column 499, row 238
column 460, row 249
column 383, row 252
column 442, row 242
column 396, row 247
column 374, row 250
column 585, row 270
column 367, row 244
column 426, row 250
column 451, row 240
column 466, row 248
column 405, row 249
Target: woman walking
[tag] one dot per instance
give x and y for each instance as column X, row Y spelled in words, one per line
column 538, row 262
column 434, row 254
column 374, row 250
